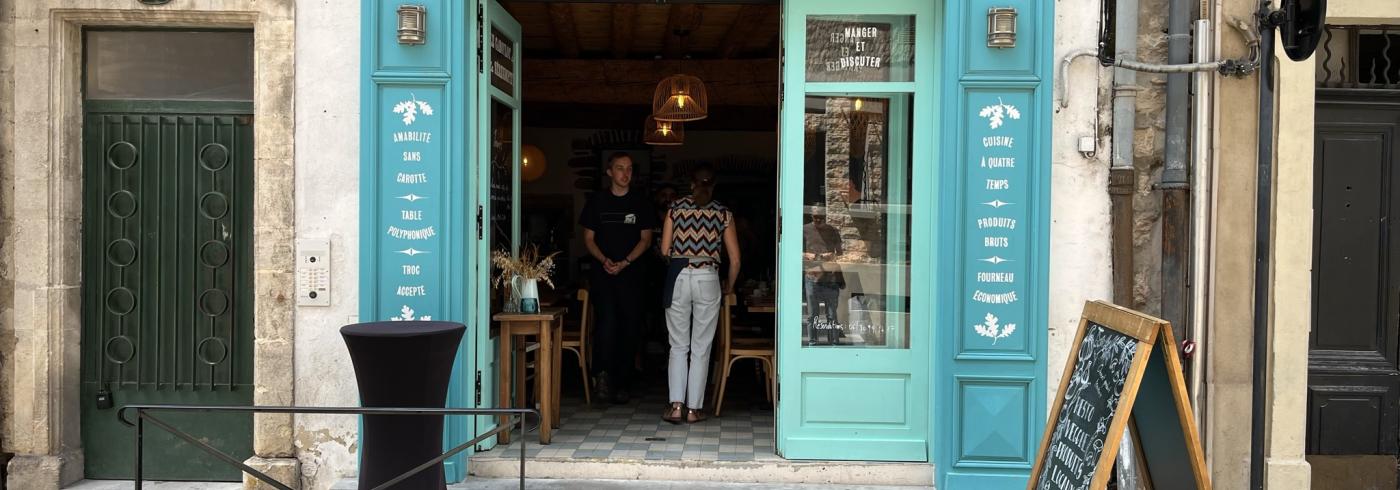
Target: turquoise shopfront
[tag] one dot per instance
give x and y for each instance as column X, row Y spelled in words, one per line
column 936, row 118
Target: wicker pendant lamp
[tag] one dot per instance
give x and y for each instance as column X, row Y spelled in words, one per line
column 680, row 98
column 663, row 133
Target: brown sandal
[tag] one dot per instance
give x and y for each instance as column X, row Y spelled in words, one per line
column 693, row 416
column 673, row 413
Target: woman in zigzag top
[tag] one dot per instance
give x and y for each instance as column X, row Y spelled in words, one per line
column 692, row 235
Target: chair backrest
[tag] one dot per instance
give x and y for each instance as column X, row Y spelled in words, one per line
column 583, row 314
column 726, row 323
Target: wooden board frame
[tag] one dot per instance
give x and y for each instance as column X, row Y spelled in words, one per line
column 1150, row 332
column 1185, row 416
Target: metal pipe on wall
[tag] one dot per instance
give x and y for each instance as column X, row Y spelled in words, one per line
column 1122, row 182
column 1263, row 243
column 1122, row 177
column 1176, row 183
column 1203, row 190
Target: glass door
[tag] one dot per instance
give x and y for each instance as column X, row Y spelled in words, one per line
column 856, row 254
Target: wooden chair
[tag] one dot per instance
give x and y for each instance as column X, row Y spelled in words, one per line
column 576, row 341
column 730, row 348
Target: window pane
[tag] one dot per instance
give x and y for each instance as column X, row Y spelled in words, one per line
column 169, row 65
column 860, row 48
column 855, row 235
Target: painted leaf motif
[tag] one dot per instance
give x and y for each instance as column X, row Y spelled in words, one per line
column 1011, row 111
column 1007, row 330
column 428, row 110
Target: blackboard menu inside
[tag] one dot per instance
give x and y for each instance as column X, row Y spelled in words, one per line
column 1100, row 371
column 859, row 49
column 502, row 175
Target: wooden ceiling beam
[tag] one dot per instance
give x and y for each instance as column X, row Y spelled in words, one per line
column 682, row 20
column 561, row 21
column 740, row 32
column 624, row 23
column 632, row 82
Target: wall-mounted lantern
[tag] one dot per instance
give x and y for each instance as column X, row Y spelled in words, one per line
column 412, row 24
column 1001, row 27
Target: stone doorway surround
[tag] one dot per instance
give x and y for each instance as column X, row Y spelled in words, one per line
column 41, row 228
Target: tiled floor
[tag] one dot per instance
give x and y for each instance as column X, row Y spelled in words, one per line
column 635, row 430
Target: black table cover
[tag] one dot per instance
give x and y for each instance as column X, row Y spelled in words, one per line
column 402, row 364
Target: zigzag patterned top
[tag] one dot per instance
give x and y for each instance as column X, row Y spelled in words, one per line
column 697, row 232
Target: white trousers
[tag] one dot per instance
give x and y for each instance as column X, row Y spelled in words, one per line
column 690, row 323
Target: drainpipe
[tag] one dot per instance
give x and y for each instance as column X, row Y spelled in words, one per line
column 1263, row 241
column 1122, row 182
column 1175, row 184
column 1203, row 187
column 1122, row 177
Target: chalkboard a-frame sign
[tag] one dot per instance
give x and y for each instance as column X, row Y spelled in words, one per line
column 1122, row 373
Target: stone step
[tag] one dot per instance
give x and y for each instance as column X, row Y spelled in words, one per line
column 779, row 471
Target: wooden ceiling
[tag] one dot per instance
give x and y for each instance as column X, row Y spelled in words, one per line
column 697, row 30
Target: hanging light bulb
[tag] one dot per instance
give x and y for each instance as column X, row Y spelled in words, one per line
column 680, row 98
column 663, row 133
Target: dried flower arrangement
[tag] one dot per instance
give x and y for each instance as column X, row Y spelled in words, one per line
column 529, row 265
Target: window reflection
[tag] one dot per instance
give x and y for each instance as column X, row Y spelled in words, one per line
column 855, row 234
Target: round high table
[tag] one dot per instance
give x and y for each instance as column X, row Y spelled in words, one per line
column 402, row 364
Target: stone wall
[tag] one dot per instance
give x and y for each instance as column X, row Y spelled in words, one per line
column 1080, row 261
column 1148, row 158
column 327, row 208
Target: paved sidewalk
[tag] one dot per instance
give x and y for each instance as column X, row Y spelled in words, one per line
column 509, row 484
column 165, row 485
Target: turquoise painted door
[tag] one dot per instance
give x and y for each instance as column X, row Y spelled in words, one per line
column 497, row 93
column 856, row 253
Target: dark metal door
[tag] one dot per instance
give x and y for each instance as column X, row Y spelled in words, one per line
column 1353, row 382
column 167, row 281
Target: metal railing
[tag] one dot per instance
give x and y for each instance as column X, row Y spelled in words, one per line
column 143, row 415
column 1359, row 57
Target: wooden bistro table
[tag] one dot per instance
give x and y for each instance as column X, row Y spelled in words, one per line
column 548, row 326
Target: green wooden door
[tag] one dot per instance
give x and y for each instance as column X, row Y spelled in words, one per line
column 856, row 248
column 497, row 181
column 167, row 281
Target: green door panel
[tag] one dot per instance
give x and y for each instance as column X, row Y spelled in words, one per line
column 167, row 285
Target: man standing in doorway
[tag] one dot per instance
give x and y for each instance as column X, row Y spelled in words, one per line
column 617, row 226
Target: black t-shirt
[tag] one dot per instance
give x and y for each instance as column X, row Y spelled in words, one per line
column 617, row 221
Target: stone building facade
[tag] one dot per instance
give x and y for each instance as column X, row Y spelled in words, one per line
column 306, row 104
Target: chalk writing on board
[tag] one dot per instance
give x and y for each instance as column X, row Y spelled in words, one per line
column 1091, row 398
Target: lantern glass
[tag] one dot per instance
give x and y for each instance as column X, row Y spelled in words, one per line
column 1001, row 27
column 412, row 24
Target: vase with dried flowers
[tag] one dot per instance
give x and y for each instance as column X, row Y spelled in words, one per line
column 521, row 275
